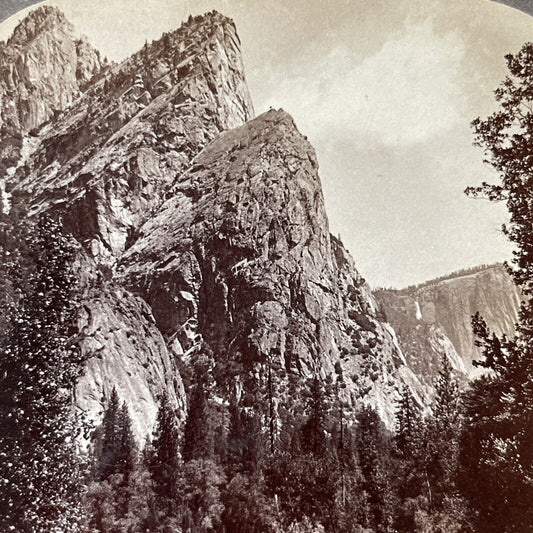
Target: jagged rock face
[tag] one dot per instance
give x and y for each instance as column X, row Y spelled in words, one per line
column 242, row 252
column 435, row 319
column 109, row 161
column 190, row 234
column 106, row 163
column 43, row 67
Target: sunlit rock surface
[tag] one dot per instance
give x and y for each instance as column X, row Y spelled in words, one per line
column 435, row 318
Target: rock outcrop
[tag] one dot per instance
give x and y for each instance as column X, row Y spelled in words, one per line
column 43, row 68
column 108, row 162
column 126, row 351
column 435, row 318
column 244, row 236
column 198, row 227
column 105, row 163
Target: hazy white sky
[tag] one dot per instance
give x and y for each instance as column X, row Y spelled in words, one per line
column 385, row 90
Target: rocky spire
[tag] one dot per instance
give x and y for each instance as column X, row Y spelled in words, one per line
column 43, row 67
column 138, row 127
column 40, row 20
column 245, row 236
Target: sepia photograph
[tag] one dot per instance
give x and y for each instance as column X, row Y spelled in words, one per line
column 266, row 267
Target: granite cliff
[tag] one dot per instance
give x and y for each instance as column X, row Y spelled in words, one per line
column 43, row 68
column 242, row 253
column 105, row 164
column 435, row 318
column 199, row 228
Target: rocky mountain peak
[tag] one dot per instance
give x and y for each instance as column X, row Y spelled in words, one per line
column 240, row 256
column 43, row 68
column 107, row 162
column 199, row 226
column 135, row 130
column 38, row 21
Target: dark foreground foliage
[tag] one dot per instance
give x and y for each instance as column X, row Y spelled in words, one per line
column 323, row 474
column 39, row 466
column 497, row 447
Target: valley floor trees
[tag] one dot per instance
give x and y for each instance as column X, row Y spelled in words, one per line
column 322, row 475
column 497, row 444
column 224, row 470
column 39, row 467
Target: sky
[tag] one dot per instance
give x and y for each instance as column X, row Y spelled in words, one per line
column 385, row 90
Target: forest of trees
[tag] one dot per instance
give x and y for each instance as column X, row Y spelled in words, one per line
column 322, row 474
column 242, row 466
column 39, row 466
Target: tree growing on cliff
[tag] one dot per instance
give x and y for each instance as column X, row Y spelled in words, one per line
column 110, row 436
column 497, row 441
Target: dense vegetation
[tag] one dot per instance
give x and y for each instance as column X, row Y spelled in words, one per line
column 38, row 369
column 499, row 407
column 239, row 465
column 320, row 473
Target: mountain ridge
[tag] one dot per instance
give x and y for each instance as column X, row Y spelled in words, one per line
column 202, row 229
column 434, row 318
column 153, row 136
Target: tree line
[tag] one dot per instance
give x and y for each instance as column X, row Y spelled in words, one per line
column 322, row 473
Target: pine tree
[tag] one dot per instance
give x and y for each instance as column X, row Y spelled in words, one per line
column 244, row 440
column 407, row 423
column 197, row 434
column 111, row 499
column 446, row 404
column 111, row 436
column 409, row 459
column 343, row 450
column 198, row 496
column 164, row 465
column 497, row 436
column 247, row 509
column 271, row 412
column 39, row 467
column 126, row 453
column 313, row 431
column 441, row 443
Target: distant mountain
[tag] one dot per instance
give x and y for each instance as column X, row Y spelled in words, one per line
column 434, row 318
